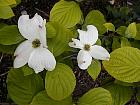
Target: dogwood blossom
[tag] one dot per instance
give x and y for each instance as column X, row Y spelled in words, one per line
column 88, row 49
column 33, row 50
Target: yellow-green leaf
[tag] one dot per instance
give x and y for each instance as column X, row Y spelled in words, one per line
column 43, row 99
column 120, row 94
column 6, row 12
column 109, row 26
column 96, row 18
column 124, row 64
column 59, row 43
column 138, row 32
column 96, row 96
column 67, row 13
column 121, row 30
column 131, row 30
column 7, row 2
column 94, row 69
column 60, row 82
column 51, row 31
column 125, row 42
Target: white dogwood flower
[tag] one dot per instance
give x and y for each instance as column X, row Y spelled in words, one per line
column 33, row 50
column 86, row 43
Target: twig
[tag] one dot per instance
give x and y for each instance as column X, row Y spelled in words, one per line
column 42, row 12
column 1, row 57
column 4, row 74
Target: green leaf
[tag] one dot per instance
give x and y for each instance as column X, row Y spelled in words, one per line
column 109, row 26
column 2, row 25
column 131, row 30
column 21, row 89
column 17, row 2
column 121, row 30
column 120, row 94
column 116, row 44
column 125, row 42
column 138, row 32
column 124, row 12
column 124, row 83
column 58, row 44
column 136, row 44
column 27, row 70
column 138, row 94
column 10, row 35
column 7, row 2
column 60, row 83
column 96, row 96
column 9, row 49
column 6, row 12
column 43, row 99
column 98, row 42
column 124, row 64
column 67, row 13
column 51, row 31
column 96, row 18
column 94, row 69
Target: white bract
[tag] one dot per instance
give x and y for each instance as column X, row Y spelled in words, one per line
column 33, row 50
column 86, row 43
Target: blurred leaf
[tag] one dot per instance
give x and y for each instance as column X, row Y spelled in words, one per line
column 138, row 94
column 22, row 89
column 120, row 94
column 43, row 99
column 6, row 12
column 7, row 2
column 124, row 64
column 136, row 44
column 116, row 43
column 138, row 32
column 109, row 27
column 60, row 82
column 17, row 2
column 10, row 35
column 121, row 30
column 124, row 12
column 67, row 13
column 96, row 18
column 131, row 31
column 125, row 42
column 96, row 96
column 94, row 69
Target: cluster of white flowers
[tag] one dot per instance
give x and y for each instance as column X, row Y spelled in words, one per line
column 34, row 49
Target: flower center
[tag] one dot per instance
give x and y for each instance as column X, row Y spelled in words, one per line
column 87, row 47
column 36, row 43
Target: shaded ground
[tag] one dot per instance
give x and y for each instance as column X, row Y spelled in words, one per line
column 43, row 7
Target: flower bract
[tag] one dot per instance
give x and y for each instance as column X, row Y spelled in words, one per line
column 88, row 49
column 34, row 49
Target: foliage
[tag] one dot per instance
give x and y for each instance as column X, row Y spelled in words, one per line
column 119, row 33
